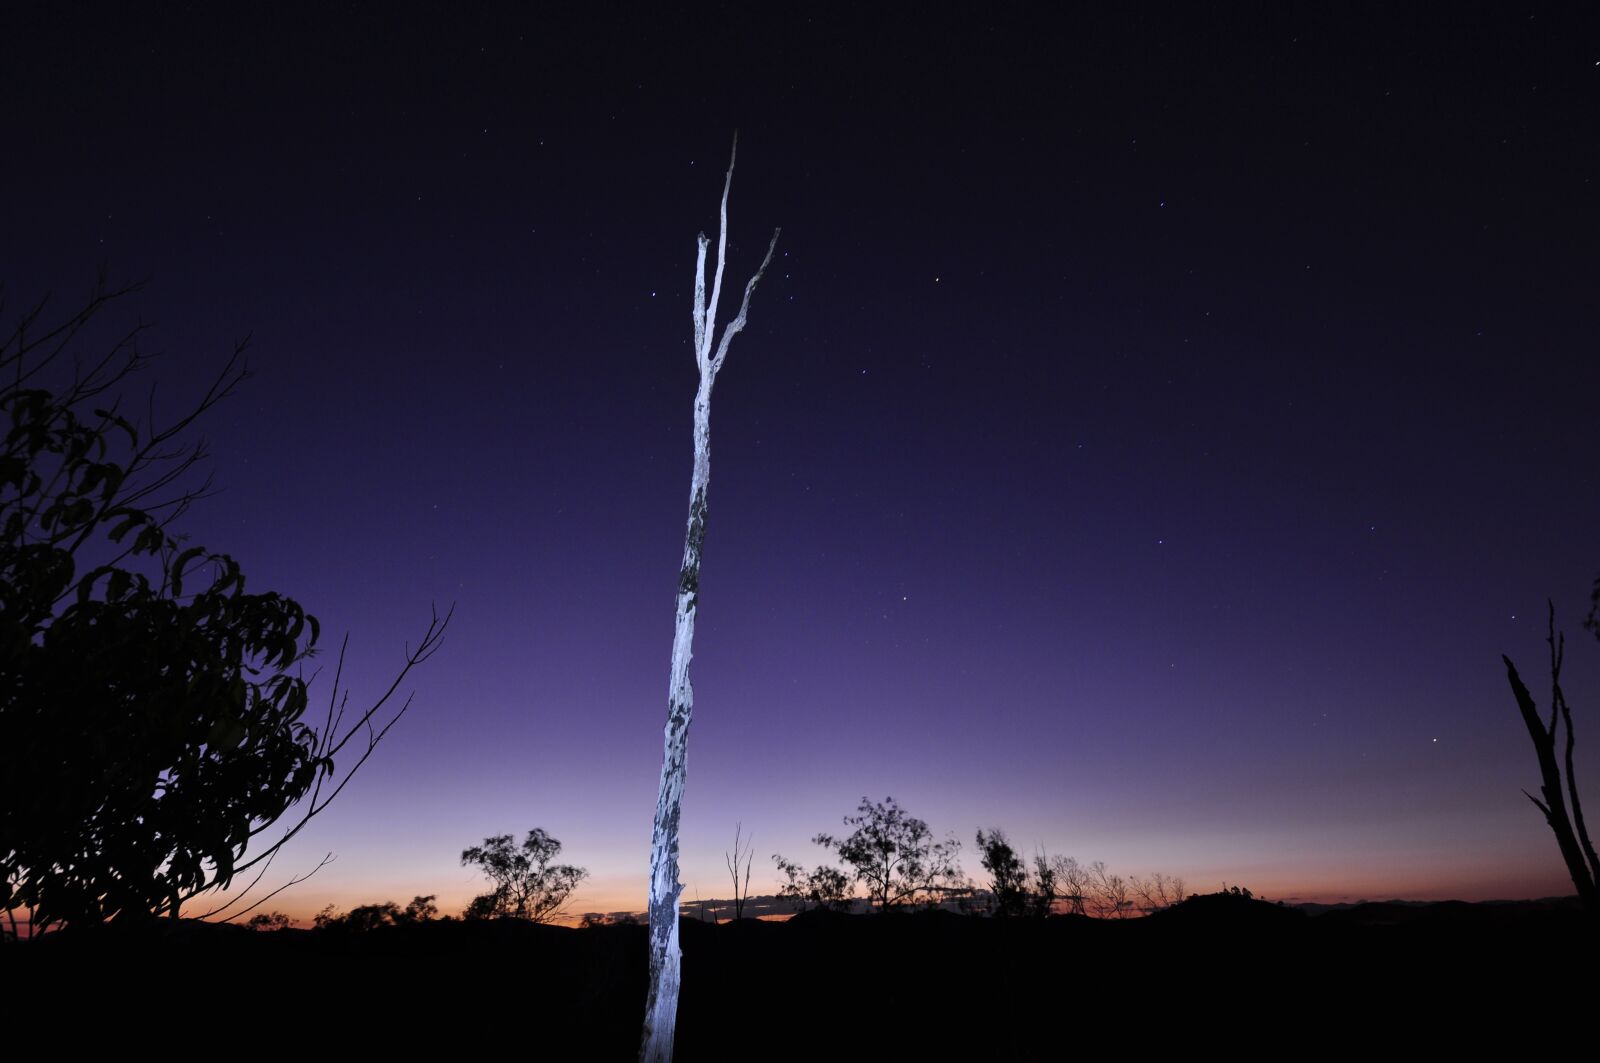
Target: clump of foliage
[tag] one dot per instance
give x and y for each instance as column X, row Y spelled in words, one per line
column 268, row 921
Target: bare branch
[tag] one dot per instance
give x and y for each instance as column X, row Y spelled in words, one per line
column 324, row 862
column 429, row 644
column 242, row 894
column 722, row 243
column 736, row 326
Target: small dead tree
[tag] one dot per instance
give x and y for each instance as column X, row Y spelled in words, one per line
column 1108, row 893
column 741, row 892
column 1155, row 893
column 1572, row 837
column 661, row 1006
column 1071, row 881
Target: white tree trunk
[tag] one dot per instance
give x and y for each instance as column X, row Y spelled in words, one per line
column 661, row 1007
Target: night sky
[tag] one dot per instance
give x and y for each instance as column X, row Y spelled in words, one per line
column 1151, row 432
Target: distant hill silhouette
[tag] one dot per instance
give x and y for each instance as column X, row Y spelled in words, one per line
column 1225, row 911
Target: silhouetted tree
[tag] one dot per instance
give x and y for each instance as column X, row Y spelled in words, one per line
column 526, row 885
column 268, row 921
column 1008, row 875
column 1572, row 836
column 821, row 887
column 895, row 857
column 741, row 892
column 661, row 1006
column 422, row 909
column 1071, row 881
column 1108, row 893
column 152, row 720
column 365, row 917
column 1155, row 893
column 1045, row 886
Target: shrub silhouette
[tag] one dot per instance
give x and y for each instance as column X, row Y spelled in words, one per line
column 152, row 719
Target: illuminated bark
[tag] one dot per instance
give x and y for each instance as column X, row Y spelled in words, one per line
column 661, row 1006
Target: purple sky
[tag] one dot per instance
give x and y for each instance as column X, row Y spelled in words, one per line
column 1149, row 436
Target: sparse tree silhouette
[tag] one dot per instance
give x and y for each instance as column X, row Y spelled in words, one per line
column 741, row 891
column 526, row 885
column 1108, row 893
column 1155, row 893
column 1071, row 882
column 1046, row 886
column 661, row 1006
column 1562, row 809
column 821, row 887
column 895, row 857
column 1008, row 875
column 152, row 715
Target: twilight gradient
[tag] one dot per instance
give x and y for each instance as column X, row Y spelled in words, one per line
column 1151, row 435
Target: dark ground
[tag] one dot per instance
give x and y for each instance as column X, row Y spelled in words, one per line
column 1216, row 974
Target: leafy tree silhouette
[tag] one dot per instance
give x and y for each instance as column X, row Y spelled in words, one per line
column 895, row 857
column 526, row 884
column 151, row 725
column 822, row 887
column 1008, row 875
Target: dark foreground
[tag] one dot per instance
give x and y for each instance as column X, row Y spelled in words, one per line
column 1214, row 974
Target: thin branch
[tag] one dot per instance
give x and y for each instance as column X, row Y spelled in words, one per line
column 326, row 860
column 429, row 644
column 722, row 243
column 736, row 326
column 242, row 894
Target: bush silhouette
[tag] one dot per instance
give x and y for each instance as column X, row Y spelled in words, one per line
column 152, row 718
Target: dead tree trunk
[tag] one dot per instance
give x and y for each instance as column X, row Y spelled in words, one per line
column 1572, row 837
column 661, row 1007
column 748, row 854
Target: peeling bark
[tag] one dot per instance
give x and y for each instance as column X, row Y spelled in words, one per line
column 661, row 1006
